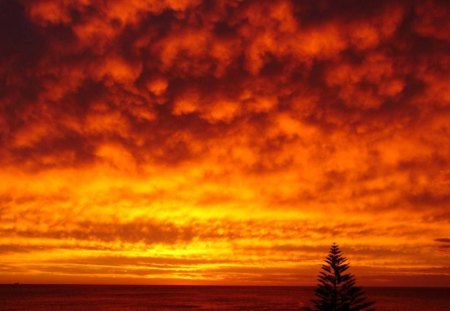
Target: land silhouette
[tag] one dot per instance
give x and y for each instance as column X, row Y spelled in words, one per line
column 336, row 290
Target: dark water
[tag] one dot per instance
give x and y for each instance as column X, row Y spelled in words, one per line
column 158, row 298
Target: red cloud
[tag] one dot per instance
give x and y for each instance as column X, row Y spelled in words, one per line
column 223, row 129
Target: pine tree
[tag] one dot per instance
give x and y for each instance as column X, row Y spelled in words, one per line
column 336, row 290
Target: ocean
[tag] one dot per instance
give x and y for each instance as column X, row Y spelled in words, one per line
column 233, row 298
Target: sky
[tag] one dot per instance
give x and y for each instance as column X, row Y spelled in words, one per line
column 224, row 142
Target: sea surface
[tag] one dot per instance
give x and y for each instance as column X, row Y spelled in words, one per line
column 201, row 298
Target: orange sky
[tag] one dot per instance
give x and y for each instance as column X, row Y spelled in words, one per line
column 224, row 142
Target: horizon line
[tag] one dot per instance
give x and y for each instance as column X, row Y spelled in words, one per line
column 202, row 285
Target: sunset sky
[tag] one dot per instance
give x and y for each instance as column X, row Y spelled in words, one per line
column 224, row 142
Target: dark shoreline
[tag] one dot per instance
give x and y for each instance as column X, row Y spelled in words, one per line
column 115, row 297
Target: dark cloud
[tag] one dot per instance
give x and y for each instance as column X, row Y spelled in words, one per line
column 442, row 240
column 143, row 75
column 444, row 244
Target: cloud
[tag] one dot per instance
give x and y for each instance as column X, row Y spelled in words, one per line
column 444, row 244
column 223, row 128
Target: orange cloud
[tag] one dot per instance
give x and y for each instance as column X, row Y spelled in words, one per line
column 229, row 142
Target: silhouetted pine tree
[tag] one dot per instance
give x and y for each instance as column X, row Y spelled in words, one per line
column 336, row 290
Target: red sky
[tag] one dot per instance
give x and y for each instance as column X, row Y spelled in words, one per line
column 224, row 142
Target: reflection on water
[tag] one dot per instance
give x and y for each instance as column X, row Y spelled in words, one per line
column 158, row 298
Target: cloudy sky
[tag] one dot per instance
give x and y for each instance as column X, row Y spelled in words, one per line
column 224, row 142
